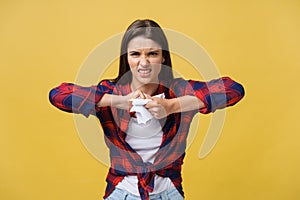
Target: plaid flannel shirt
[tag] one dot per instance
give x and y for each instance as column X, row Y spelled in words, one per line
column 215, row 94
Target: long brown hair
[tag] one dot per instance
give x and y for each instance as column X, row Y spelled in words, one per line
column 151, row 30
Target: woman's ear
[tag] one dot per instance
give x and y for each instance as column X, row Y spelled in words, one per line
column 163, row 60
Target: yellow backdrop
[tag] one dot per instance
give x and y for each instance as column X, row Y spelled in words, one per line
column 43, row 43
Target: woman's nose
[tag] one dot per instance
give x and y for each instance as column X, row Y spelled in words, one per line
column 144, row 61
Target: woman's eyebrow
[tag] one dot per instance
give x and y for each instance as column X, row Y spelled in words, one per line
column 154, row 49
column 133, row 52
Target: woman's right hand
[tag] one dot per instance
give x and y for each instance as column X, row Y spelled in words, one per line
column 138, row 94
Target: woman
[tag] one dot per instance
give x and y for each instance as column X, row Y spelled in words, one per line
column 146, row 158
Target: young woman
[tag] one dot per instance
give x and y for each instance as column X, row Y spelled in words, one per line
column 146, row 158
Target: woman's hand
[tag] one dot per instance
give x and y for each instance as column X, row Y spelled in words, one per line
column 160, row 107
column 138, row 94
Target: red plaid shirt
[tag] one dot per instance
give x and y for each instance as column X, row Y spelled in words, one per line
column 215, row 94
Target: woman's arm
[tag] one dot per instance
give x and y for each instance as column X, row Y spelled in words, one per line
column 118, row 101
column 87, row 100
column 77, row 99
column 218, row 93
column 196, row 95
column 161, row 108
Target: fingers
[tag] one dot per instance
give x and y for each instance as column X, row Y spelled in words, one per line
column 147, row 96
column 158, row 112
column 156, row 108
column 155, row 102
column 140, row 94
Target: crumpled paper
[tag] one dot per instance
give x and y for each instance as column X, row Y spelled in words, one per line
column 142, row 114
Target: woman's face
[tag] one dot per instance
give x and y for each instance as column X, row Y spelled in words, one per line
column 144, row 58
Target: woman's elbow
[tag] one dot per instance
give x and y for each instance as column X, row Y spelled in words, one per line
column 241, row 90
column 52, row 95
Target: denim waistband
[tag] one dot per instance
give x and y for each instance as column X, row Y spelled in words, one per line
column 124, row 195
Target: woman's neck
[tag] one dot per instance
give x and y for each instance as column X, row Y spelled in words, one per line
column 149, row 89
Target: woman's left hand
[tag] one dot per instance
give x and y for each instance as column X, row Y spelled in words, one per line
column 159, row 107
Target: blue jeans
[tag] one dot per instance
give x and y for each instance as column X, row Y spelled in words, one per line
column 119, row 194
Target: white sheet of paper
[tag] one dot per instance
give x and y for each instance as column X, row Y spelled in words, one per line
column 142, row 114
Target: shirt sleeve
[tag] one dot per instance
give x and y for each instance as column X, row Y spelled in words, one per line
column 74, row 98
column 216, row 94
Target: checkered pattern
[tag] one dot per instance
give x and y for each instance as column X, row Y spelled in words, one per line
column 215, row 94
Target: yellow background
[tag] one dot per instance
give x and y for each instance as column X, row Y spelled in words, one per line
column 43, row 43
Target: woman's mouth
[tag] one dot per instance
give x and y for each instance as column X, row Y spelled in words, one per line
column 144, row 72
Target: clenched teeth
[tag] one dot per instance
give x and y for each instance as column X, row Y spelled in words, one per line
column 144, row 71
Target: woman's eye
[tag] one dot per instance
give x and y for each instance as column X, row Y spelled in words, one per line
column 135, row 54
column 153, row 53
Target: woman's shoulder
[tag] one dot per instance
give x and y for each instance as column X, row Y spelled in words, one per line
column 176, row 86
column 176, row 82
column 107, row 83
column 116, row 88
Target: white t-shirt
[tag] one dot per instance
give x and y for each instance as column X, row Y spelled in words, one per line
column 145, row 139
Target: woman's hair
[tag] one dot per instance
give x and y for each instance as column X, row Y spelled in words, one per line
column 151, row 30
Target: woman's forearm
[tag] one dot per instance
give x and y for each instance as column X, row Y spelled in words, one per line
column 117, row 101
column 185, row 103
